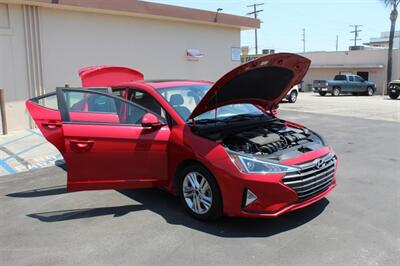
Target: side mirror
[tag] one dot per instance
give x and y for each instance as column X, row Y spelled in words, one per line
column 150, row 121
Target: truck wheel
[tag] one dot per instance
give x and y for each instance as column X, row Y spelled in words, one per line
column 322, row 93
column 370, row 91
column 393, row 95
column 293, row 97
column 336, row 91
column 199, row 193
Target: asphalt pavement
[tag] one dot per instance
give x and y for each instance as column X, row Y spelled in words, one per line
column 358, row 224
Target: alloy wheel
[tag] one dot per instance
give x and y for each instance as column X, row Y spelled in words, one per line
column 293, row 97
column 370, row 92
column 197, row 193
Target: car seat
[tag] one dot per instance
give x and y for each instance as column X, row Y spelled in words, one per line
column 177, row 101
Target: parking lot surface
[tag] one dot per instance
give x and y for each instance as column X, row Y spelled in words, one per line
column 358, row 224
column 375, row 107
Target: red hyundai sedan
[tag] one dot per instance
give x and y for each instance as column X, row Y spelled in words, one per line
column 219, row 147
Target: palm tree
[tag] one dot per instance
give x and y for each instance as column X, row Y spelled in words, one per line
column 393, row 17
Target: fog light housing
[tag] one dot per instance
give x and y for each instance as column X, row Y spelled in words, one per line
column 248, row 197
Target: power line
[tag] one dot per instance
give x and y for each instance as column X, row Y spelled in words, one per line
column 304, row 40
column 255, row 13
column 355, row 31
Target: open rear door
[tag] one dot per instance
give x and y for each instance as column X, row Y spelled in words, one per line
column 108, row 76
column 45, row 112
column 102, row 139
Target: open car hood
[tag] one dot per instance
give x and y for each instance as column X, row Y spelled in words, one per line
column 264, row 82
column 108, row 76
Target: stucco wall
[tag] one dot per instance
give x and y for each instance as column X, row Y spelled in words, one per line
column 364, row 57
column 70, row 40
column 13, row 72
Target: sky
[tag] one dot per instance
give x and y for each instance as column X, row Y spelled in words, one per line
column 283, row 21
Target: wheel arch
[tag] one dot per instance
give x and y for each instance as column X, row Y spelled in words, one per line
column 185, row 163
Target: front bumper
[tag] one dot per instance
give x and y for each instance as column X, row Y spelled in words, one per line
column 394, row 88
column 274, row 197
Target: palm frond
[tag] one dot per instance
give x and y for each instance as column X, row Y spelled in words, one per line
column 393, row 3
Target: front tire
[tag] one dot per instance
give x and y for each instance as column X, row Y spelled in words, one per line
column 393, row 95
column 336, row 91
column 293, row 97
column 199, row 193
column 370, row 91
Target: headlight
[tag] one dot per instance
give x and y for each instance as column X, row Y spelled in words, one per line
column 251, row 165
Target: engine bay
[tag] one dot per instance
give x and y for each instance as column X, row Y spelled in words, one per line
column 273, row 144
column 274, row 140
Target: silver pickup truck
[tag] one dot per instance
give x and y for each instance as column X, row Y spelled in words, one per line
column 347, row 83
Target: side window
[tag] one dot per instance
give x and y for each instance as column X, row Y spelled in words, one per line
column 351, row 78
column 91, row 107
column 119, row 93
column 147, row 101
column 48, row 101
column 358, row 78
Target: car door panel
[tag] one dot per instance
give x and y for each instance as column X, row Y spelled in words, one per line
column 93, row 117
column 49, row 123
column 100, row 151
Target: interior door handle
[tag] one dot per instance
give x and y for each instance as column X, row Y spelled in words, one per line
column 81, row 145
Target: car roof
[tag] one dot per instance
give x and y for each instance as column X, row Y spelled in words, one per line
column 165, row 83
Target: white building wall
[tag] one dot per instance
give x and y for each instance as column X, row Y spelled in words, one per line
column 13, row 71
column 70, row 40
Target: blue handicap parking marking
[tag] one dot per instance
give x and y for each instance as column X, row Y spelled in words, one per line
column 6, row 167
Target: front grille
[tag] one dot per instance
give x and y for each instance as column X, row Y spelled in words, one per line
column 311, row 180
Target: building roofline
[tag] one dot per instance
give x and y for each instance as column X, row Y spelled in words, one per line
column 147, row 9
column 334, row 66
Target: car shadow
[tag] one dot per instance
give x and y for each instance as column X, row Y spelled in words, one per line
column 168, row 207
column 65, row 215
column 40, row 192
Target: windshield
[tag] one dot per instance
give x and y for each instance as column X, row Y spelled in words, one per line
column 185, row 98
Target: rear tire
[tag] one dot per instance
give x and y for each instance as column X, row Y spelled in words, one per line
column 370, row 91
column 293, row 97
column 336, row 91
column 322, row 93
column 199, row 193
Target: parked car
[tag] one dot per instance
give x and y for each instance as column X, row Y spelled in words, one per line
column 292, row 94
column 216, row 146
column 394, row 89
column 344, row 84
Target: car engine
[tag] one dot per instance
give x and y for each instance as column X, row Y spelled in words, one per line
column 278, row 144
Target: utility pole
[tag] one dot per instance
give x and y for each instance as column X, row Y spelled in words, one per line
column 304, row 40
column 255, row 13
column 356, row 31
column 337, row 43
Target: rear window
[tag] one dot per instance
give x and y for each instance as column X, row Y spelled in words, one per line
column 340, row 77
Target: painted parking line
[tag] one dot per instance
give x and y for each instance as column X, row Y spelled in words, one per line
column 35, row 132
column 23, row 151
column 15, row 140
column 8, row 168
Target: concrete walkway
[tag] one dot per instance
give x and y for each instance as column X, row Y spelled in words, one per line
column 26, row 150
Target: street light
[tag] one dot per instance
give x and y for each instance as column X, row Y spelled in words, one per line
column 216, row 14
